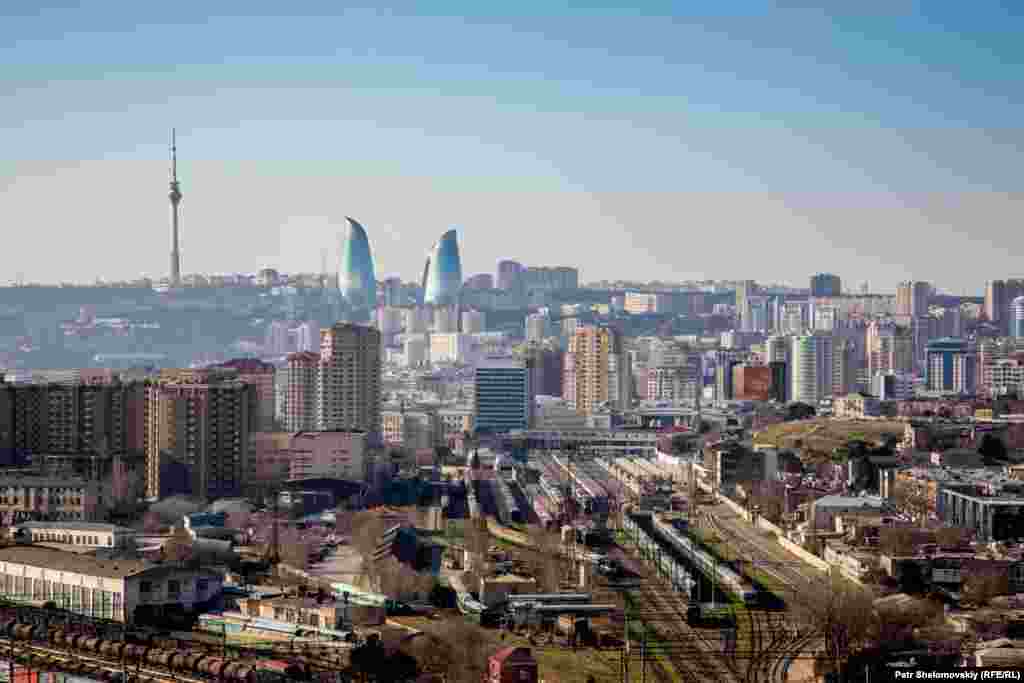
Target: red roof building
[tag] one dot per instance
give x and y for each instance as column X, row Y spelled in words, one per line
column 513, row 665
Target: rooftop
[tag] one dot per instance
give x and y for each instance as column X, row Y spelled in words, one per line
column 60, row 560
column 75, row 526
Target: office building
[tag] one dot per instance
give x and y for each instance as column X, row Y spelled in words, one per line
column 557, row 279
column 393, row 292
column 502, row 396
column 596, row 370
column 300, row 391
column 826, row 284
column 417, row 320
column 416, row 350
column 442, row 275
column 912, row 299
column 950, row 366
column 348, row 379
column 673, row 383
column 723, row 379
column 826, row 318
column 510, row 276
column 356, row 280
column 892, row 386
column 795, row 317
column 197, row 426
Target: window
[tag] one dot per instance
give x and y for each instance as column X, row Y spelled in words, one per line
column 173, row 588
column 202, row 585
column 145, row 586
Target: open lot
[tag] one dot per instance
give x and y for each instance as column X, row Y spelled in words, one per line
column 820, row 436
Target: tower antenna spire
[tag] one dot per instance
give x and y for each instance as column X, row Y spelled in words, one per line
column 175, row 196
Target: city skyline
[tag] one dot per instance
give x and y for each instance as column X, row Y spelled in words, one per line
column 871, row 141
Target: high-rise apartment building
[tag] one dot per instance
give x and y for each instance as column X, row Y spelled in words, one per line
column 826, row 284
column 502, row 396
column 596, row 370
column 473, row 322
column 261, row 376
column 1017, row 318
column 479, row 281
column 950, row 366
column 999, row 296
column 912, row 298
column 87, row 423
column 545, row 361
column 300, row 392
column 197, row 433
column 812, row 368
column 744, row 290
column 348, row 381
column 890, row 348
column 536, row 327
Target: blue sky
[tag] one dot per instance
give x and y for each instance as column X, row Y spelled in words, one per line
column 668, row 140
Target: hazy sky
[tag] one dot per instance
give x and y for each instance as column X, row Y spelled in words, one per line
column 767, row 142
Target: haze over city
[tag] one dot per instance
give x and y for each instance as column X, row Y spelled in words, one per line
column 881, row 144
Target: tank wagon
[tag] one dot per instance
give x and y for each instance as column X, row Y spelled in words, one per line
column 191, row 662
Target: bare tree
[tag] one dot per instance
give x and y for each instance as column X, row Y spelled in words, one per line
column 545, row 558
column 296, row 547
column 843, row 614
column 952, row 537
column 896, row 542
column 984, row 582
column 912, row 497
column 459, row 651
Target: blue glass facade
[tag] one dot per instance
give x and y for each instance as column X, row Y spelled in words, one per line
column 939, row 367
column 356, row 279
column 442, row 275
column 503, row 397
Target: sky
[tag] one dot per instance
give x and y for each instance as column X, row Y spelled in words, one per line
column 668, row 141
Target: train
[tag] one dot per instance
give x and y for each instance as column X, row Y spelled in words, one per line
column 725, row 577
column 132, row 654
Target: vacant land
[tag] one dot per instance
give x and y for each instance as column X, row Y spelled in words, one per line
column 820, row 436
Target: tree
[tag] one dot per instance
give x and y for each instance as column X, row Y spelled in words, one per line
column 912, row 496
column 896, row 542
column 984, row 582
column 843, row 614
column 545, row 558
column 952, row 537
column 459, row 651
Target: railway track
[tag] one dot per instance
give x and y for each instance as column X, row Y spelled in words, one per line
column 91, row 664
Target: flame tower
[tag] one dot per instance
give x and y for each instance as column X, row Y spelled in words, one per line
column 175, row 197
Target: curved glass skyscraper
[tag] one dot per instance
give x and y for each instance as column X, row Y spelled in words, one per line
column 355, row 272
column 442, row 276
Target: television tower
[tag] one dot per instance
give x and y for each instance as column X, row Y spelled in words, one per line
column 175, row 197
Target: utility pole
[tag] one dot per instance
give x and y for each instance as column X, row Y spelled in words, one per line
column 643, row 658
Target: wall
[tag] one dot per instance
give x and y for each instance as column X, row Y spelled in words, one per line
column 808, row 557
